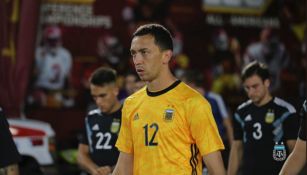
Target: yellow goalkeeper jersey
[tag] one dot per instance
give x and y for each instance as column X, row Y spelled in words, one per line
column 168, row 131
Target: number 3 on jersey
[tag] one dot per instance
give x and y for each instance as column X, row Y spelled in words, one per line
column 257, row 133
column 151, row 141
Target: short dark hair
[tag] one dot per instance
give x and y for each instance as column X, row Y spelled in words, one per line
column 255, row 68
column 163, row 38
column 103, row 76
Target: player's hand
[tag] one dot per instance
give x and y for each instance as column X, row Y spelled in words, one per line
column 104, row 170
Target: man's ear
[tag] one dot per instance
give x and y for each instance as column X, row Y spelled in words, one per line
column 267, row 83
column 116, row 90
column 167, row 56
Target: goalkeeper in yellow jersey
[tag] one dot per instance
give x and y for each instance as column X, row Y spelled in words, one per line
column 167, row 127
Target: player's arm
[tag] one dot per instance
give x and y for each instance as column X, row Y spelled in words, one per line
column 226, row 118
column 204, row 130
column 229, row 129
column 290, row 127
column 87, row 164
column 235, row 157
column 124, row 165
column 291, row 144
column 214, row 163
column 296, row 160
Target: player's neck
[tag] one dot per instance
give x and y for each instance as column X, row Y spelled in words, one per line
column 116, row 107
column 161, row 83
column 265, row 100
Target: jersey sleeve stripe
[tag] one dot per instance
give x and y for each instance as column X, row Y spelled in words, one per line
column 89, row 134
column 285, row 104
column 244, row 104
column 193, row 160
column 94, row 111
column 237, row 117
column 281, row 119
column 278, row 131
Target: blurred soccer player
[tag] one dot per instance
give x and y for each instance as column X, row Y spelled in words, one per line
column 264, row 126
column 96, row 152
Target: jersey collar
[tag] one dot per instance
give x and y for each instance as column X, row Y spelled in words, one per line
column 154, row 94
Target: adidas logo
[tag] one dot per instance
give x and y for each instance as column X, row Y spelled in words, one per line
column 248, row 118
column 95, row 127
column 136, row 117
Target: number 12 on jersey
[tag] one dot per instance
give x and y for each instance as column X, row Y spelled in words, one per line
column 150, row 140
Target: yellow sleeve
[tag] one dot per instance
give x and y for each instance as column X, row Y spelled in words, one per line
column 124, row 141
column 203, row 127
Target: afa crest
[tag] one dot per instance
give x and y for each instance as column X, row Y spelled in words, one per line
column 279, row 152
column 168, row 115
column 115, row 126
column 270, row 116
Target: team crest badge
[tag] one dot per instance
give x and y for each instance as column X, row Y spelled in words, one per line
column 115, row 126
column 168, row 115
column 136, row 116
column 279, row 152
column 270, row 116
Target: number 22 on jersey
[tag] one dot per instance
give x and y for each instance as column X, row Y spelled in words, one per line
column 103, row 141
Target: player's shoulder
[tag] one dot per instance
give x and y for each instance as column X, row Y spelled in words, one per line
column 188, row 92
column 94, row 112
column 141, row 93
column 188, row 95
column 244, row 105
column 284, row 104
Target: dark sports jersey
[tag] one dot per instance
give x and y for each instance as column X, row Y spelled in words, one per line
column 302, row 132
column 100, row 134
column 8, row 151
column 264, row 131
